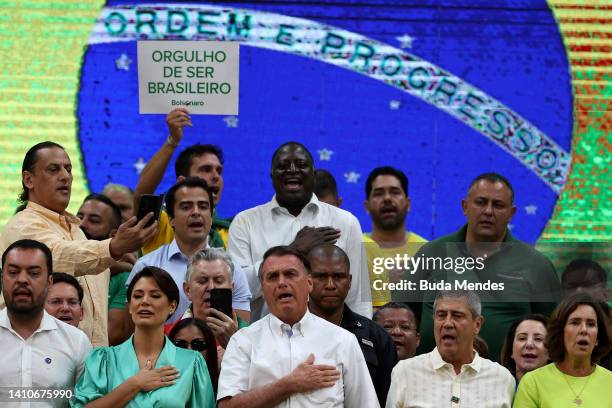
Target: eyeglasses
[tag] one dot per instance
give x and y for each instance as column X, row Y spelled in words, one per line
column 72, row 303
column 196, row 344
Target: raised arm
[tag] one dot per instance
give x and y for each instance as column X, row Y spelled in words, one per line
column 153, row 173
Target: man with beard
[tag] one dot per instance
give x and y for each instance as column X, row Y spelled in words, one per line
column 331, row 281
column 100, row 217
column 38, row 350
column 519, row 279
column 200, row 160
column 296, row 217
column 64, row 299
column 388, row 204
column 190, row 206
column 47, row 185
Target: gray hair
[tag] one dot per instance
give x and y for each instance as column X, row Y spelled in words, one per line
column 210, row 255
column 470, row 297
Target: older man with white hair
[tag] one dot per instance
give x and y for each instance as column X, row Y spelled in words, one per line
column 453, row 374
column 209, row 269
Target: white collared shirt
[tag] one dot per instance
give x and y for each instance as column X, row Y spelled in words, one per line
column 427, row 381
column 52, row 357
column 264, row 353
column 257, row 229
column 170, row 258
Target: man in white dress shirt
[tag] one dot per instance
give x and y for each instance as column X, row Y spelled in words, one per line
column 38, row 351
column 453, row 374
column 292, row 358
column 296, row 217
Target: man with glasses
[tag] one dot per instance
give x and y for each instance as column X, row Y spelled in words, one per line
column 64, row 299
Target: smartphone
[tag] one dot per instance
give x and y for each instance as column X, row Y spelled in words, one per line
column 221, row 299
column 149, row 203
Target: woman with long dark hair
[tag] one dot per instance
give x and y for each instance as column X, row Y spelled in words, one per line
column 194, row 334
column 147, row 370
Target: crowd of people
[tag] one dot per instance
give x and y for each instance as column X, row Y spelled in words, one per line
column 118, row 310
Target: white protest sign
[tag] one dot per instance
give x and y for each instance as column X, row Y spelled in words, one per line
column 201, row 76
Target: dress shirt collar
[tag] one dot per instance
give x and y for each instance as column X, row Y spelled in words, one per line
column 313, row 205
column 56, row 217
column 438, row 363
column 173, row 249
column 47, row 323
column 280, row 328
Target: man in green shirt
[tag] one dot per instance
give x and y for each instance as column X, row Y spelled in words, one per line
column 511, row 277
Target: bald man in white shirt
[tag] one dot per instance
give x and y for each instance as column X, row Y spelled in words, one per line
column 292, row 358
column 296, row 217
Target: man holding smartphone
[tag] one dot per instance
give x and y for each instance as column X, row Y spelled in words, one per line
column 209, row 286
column 47, row 186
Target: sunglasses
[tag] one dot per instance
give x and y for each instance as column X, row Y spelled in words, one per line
column 196, row 345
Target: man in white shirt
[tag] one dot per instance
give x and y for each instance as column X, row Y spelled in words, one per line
column 38, row 351
column 453, row 374
column 189, row 204
column 292, row 358
column 296, row 217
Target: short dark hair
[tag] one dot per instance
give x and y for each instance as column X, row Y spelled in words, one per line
column 61, row 277
column 386, row 171
column 211, row 354
column 494, row 178
column 582, row 266
column 293, row 144
column 183, row 163
column 396, row 305
column 325, row 183
column 556, row 325
column 162, row 278
column 506, row 352
column 31, row 244
column 327, row 248
column 285, row 250
column 29, row 161
column 191, row 182
column 105, row 200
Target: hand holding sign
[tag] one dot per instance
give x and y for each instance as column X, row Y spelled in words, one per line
column 201, row 76
column 176, row 119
